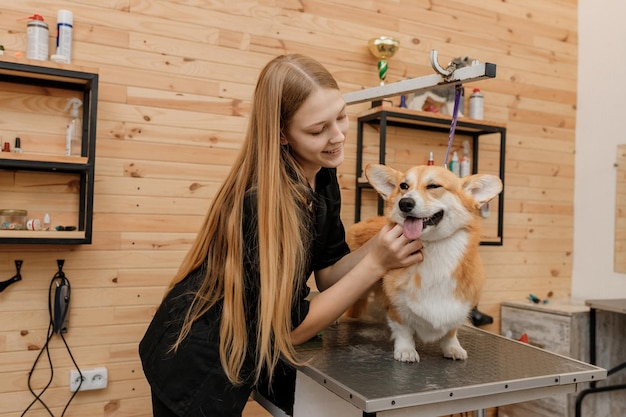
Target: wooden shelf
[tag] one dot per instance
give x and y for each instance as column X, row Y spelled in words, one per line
column 49, row 236
column 423, row 118
column 58, row 159
column 45, row 70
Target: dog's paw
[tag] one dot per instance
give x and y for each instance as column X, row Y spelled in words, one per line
column 457, row 353
column 406, row 355
column 452, row 349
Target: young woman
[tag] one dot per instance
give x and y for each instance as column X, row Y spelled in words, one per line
column 237, row 303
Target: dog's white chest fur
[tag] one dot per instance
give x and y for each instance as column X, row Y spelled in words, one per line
column 433, row 308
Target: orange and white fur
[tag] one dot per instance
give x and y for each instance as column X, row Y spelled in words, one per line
column 433, row 298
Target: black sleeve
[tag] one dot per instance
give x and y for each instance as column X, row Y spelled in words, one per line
column 330, row 242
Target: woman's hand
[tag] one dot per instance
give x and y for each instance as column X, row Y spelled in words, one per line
column 391, row 249
column 346, row 281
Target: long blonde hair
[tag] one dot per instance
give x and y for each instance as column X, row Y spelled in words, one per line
column 283, row 224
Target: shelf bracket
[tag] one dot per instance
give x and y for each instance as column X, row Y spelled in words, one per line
column 444, row 77
column 15, row 278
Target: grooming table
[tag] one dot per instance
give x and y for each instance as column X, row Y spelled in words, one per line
column 613, row 306
column 351, row 372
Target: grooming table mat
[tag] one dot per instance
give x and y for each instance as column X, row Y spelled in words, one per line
column 354, row 360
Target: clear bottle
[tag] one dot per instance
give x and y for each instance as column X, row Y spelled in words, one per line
column 476, row 105
column 74, row 132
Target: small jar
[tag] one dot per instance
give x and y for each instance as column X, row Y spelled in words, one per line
column 13, row 219
column 33, row 224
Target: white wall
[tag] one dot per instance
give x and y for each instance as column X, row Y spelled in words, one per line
column 601, row 126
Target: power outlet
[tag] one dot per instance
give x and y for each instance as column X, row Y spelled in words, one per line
column 96, row 378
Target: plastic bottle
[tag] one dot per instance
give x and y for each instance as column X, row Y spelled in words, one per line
column 65, row 27
column 476, row 104
column 431, row 159
column 37, row 38
column 454, row 164
column 74, row 132
column 464, row 168
column 46, row 221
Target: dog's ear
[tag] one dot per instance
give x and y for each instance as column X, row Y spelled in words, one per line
column 482, row 187
column 382, row 178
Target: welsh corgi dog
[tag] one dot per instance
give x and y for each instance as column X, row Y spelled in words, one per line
column 432, row 298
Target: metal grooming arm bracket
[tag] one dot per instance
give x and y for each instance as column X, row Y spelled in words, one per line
column 444, row 76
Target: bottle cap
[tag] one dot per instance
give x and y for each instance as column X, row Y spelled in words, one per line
column 65, row 16
column 36, row 17
column 476, row 90
column 17, row 142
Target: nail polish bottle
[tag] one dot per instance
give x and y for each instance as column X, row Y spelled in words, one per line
column 18, row 146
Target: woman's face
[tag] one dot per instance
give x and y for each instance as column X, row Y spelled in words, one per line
column 317, row 132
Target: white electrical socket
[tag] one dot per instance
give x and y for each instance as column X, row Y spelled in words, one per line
column 96, row 378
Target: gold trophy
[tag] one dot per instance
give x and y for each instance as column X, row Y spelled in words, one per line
column 382, row 48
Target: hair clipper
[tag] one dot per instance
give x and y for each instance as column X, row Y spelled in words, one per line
column 61, row 304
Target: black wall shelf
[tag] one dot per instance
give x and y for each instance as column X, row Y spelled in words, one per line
column 411, row 119
column 65, row 77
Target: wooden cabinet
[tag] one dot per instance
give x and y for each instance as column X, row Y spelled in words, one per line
column 559, row 327
column 421, row 123
column 33, row 106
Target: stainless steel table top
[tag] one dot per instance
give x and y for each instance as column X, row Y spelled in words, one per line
column 354, row 359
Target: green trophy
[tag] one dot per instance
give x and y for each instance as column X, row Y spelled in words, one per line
column 382, row 48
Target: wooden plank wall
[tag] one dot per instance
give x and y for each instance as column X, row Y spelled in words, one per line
column 176, row 77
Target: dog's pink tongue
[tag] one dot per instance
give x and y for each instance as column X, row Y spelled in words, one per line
column 412, row 228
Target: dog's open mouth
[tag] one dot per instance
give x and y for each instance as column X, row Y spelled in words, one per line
column 414, row 226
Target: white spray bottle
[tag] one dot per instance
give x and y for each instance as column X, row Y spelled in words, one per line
column 74, row 131
column 465, row 161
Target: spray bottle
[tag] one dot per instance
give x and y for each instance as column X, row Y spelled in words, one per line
column 37, row 38
column 464, row 170
column 454, row 164
column 74, row 132
column 65, row 26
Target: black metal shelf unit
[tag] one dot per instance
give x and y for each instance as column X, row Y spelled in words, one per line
column 411, row 119
column 86, row 83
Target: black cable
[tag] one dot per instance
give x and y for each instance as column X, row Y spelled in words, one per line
column 60, row 275
column 80, row 374
column 38, row 396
